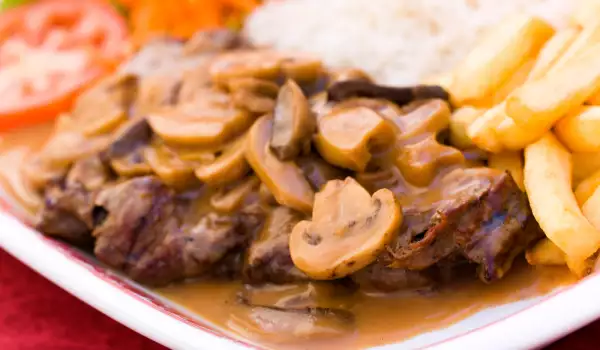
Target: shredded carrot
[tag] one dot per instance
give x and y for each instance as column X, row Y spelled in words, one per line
column 182, row 18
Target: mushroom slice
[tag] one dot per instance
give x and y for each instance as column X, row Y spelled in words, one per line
column 302, row 69
column 193, row 125
column 131, row 164
column 293, row 123
column 261, row 64
column 348, row 230
column 105, row 106
column 283, row 178
column 38, row 173
column 258, row 86
column 348, row 137
column 344, row 74
column 420, row 161
column 400, row 95
column 429, row 117
column 157, row 91
column 228, row 200
column 385, row 108
column 253, row 102
column 318, row 172
column 63, row 148
column 228, row 167
column 170, row 169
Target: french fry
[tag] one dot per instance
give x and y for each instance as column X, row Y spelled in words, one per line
column 591, row 209
column 588, row 36
column 482, row 130
column 514, row 81
column 584, row 165
column 513, row 137
column 497, row 56
column 545, row 252
column 538, row 104
column 459, row 122
column 580, row 129
column 552, row 51
column 511, row 162
column 587, row 187
column 548, row 183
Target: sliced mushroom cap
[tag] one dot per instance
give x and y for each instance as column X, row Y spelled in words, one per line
column 231, row 165
column 419, row 162
column 400, row 95
column 426, row 117
column 302, row 68
column 229, row 199
column 348, row 137
column 385, row 108
column 261, row 64
column 172, row 170
column 253, row 102
column 318, row 172
column 258, row 86
column 157, row 91
column 104, row 107
column 131, row 164
column 193, row 125
column 214, row 40
column 63, row 148
column 283, row 178
column 349, row 228
column 293, row 123
column 344, row 74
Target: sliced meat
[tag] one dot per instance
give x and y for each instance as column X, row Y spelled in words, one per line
column 481, row 214
column 157, row 237
column 269, row 258
column 68, row 210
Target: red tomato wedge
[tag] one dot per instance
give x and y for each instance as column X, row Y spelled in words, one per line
column 51, row 50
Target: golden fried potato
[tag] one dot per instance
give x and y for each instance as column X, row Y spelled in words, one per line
column 538, row 104
column 552, row 51
column 591, row 209
column 460, row 121
column 545, row 253
column 580, row 129
column 498, row 56
column 584, row 165
column 511, row 162
column 514, row 137
column 587, row 187
column 548, row 183
column 482, row 131
column 586, row 38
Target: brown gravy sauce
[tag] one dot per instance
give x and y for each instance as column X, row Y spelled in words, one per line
column 380, row 319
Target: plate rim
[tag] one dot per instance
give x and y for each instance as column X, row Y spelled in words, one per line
column 539, row 324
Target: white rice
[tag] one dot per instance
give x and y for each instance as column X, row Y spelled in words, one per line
column 397, row 41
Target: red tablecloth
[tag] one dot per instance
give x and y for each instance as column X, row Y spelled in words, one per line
column 36, row 314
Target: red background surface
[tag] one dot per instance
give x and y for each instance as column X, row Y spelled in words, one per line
column 36, row 314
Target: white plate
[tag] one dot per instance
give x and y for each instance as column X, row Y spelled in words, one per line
column 521, row 325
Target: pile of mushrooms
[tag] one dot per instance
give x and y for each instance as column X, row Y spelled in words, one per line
column 278, row 124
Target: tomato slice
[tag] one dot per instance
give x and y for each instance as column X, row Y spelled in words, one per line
column 50, row 51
